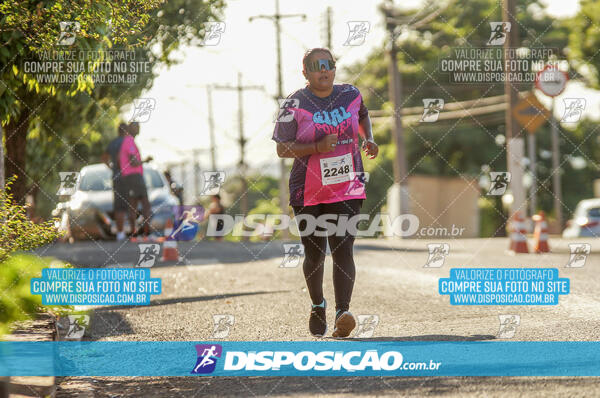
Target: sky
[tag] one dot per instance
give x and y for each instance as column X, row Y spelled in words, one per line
column 179, row 123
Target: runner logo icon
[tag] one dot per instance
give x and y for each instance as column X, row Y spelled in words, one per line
column 357, row 32
column 498, row 182
column 366, row 325
column 579, row 253
column 69, row 181
column 508, row 326
column 292, row 254
column 207, row 358
column 437, row 254
column 142, row 109
column 68, row 32
column 223, row 324
column 72, row 327
column 148, row 254
column 212, row 182
column 286, row 109
column 358, row 181
column 187, row 220
column 212, row 33
column 499, row 32
column 431, row 109
column 574, row 108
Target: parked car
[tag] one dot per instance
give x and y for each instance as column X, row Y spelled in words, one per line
column 88, row 213
column 585, row 221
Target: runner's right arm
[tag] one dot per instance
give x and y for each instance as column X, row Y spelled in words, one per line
column 134, row 161
column 294, row 149
column 287, row 147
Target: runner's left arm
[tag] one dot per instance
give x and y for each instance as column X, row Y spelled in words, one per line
column 365, row 130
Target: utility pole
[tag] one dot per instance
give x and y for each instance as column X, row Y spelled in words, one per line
column 398, row 194
column 395, row 89
column 515, row 144
column 183, row 174
column 328, row 26
column 242, row 141
column 556, row 168
column 512, row 96
column 211, row 129
column 276, row 18
column 532, row 169
column 196, row 166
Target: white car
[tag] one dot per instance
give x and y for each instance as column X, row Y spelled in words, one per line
column 585, row 221
column 88, row 213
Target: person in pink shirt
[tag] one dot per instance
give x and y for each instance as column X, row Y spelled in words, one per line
column 132, row 173
column 320, row 127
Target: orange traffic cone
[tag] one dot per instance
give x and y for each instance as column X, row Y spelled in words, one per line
column 540, row 233
column 170, row 251
column 518, row 240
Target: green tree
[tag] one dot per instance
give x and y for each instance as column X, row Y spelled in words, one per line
column 584, row 41
column 458, row 147
column 263, row 194
column 72, row 117
column 17, row 232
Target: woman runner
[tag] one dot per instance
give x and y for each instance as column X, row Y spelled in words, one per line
column 318, row 126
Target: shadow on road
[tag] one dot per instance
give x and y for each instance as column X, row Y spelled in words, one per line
column 111, row 254
column 108, row 323
column 176, row 300
column 367, row 246
column 428, row 337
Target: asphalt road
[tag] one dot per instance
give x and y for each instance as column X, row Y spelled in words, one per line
column 268, row 302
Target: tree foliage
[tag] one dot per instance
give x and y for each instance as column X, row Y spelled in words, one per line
column 466, row 147
column 17, row 232
column 584, row 41
column 70, row 123
column 17, row 303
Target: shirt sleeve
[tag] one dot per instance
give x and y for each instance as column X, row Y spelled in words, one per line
column 286, row 125
column 285, row 131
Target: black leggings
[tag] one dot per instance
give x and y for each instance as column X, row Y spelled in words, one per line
column 341, row 251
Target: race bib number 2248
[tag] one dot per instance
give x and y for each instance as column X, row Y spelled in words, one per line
column 336, row 169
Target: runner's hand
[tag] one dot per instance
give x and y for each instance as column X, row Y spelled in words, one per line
column 327, row 144
column 370, row 148
column 148, row 159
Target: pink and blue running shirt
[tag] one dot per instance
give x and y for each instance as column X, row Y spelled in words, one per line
column 129, row 148
column 305, row 118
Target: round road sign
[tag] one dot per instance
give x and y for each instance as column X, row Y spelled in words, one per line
column 551, row 81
